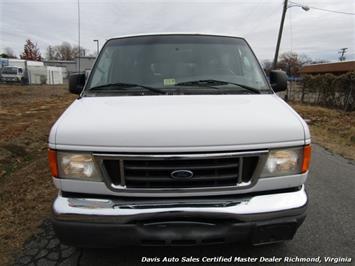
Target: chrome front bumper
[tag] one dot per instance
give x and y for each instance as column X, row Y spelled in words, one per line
column 257, row 219
column 239, row 208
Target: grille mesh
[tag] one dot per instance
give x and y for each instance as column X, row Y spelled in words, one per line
column 157, row 172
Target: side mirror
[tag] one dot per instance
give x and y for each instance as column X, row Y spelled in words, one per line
column 278, row 80
column 76, row 83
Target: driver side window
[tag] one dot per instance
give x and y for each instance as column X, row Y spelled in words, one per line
column 102, row 72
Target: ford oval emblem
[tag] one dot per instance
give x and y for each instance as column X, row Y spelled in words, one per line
column 181, row 174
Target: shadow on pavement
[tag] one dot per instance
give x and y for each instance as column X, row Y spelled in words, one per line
column 45, row 249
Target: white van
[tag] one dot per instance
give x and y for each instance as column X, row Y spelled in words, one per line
column 178, row 139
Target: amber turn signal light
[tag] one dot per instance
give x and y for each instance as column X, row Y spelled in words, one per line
column 52, row 159
column 307, row 150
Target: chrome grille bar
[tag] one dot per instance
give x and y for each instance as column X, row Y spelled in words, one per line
column 152, row 171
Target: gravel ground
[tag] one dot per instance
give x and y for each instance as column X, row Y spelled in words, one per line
column 45, row 249
column 26, row 189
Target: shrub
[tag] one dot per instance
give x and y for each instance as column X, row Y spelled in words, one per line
column 331, row 90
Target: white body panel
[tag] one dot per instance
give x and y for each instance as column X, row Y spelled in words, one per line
column 22, row 63
column 17, row 63
column 180, row 122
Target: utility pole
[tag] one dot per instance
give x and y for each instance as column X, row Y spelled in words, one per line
column 79, row 35
column 342, row 51
column 98, row 47
column 280, row 34
column 285, row 7
column 50, row 57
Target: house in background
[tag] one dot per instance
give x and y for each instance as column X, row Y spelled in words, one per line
column 336, row 68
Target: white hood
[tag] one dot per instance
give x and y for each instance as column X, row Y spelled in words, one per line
column 142, row 122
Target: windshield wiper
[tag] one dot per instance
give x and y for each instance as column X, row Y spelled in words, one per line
column 124, row 86
column 211, row 83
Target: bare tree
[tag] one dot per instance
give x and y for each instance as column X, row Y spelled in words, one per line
column 50, row 53
column 292, row 63
column 64, row 51
column 76, row 51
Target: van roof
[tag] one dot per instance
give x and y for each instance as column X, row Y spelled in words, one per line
column 175, row 33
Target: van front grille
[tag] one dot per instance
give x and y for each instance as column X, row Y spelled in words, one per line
column 200, row 173
column 175, row 171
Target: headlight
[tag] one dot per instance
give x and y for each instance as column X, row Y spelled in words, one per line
column 284, row 162
column 77, row 166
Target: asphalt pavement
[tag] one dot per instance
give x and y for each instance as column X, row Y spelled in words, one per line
column 328, row 231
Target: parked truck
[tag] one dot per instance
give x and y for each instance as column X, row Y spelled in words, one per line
column 178, row 139
column 12, row 74
column 29, row 72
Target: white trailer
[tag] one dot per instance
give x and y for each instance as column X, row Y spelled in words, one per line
column 30, row 72
column 36, row 74
column 54, row 75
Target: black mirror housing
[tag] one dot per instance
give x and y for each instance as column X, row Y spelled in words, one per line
column 278, row 80
column 76, row 83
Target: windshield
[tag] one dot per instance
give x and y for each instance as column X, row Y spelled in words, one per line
column 169, row 62
column 9, row 70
